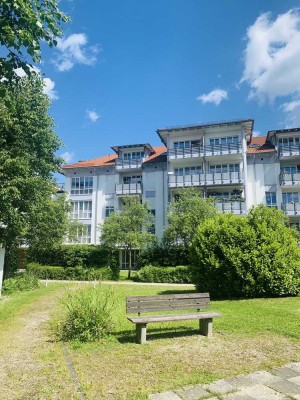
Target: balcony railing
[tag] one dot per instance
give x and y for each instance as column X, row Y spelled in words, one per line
column 81, row 215
column 289, row 149
column 129, row 188
column 208, row 150
column 225, row 178
column 292, row 208
column 287, row 179
column 128, row 164
column 235, row 207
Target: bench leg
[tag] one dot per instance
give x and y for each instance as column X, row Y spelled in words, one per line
column 206, row 327
column 141, row 333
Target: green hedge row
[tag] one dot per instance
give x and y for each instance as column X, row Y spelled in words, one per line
column 179, row 274
column 79, row 255
column 164, row 256
column 70, row 273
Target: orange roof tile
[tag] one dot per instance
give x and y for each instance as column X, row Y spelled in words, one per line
column 261, row 145
column 157, row 156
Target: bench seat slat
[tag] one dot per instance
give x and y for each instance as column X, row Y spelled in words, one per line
column 176, row 317
column 166, row 307
column 175, row 302
column 168, row 296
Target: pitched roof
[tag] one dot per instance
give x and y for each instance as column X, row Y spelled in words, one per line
column 259, row 144
column 157, row 156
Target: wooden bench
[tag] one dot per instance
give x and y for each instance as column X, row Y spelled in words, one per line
column 169, row 302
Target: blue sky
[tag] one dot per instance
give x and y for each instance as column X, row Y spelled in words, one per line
column 125, row 68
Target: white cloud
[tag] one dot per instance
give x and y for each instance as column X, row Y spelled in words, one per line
column 92, row 115
column 290, row 106
column 272, row 56
column 215, row 96
column 49, row 85
column 68, row 157
column 74, row 50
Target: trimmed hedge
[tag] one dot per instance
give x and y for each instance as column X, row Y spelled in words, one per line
column 164, row 256
column 70, row 273
column 78, row 255
column 179, row 274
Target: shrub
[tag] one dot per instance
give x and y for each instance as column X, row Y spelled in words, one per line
column 179, row 274
column 70, row 273
column 88, row 315
column 20, row 283
column 253, row 256
column 163, row 255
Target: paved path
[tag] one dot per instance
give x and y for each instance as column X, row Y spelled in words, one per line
column 277, row 384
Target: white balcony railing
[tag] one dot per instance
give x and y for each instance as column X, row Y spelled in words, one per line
column 235, row 207
column 128, row 188
column 287, row 179
column 128, row 164
column 289, row 149
column 292, row 208
column 225, row 178
column 208, row 150
column 81, row 215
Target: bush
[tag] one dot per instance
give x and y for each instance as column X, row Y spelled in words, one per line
column 253, row 256
column 70, row 273
column 79, row 255
column 20, row 283
column 88, row 315
column 163, row 255
column 179, row 274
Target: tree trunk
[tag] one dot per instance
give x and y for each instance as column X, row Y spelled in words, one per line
column 129, row 266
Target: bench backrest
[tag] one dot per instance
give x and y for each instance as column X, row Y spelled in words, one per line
column 167, row 302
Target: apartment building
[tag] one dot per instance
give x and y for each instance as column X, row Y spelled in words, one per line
column 222, row 160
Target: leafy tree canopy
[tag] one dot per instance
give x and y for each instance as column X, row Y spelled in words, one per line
column 24, row 24
column 27, row 161
column 186, row 212
column 129, row 228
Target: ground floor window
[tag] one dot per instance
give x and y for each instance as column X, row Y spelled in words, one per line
column 124, row 259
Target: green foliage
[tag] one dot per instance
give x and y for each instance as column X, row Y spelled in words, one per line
column 187, row 211
column 89, row 315
column 20, row 283
column 128, row 229
column 71, row 273
column 23, row 26
column 163, row 255
column 179, row 274
column 253, row 256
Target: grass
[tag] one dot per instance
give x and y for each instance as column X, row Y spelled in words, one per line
column 251, row 335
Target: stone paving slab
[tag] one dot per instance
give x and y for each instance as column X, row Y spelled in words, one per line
column 277, row 384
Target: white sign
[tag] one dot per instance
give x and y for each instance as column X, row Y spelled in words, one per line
column 2, row 253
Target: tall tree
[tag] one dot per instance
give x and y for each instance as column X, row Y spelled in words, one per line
column 129, row 228
column 27, row 161
column 23, row 26
column 186, row 212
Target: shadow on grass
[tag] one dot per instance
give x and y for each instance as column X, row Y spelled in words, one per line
column 183, row 291
column 157, row 333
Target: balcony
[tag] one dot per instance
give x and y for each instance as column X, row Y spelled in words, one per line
column 235, row 207
column 225, row 178
column 126, row 189
column 208, row 150
column 289, row 149
column 291, row 209
column 287, row 179
column 122, row 164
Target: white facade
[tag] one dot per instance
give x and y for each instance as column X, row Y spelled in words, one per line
column 222, row 160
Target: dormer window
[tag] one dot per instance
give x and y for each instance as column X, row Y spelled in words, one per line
column 135, row 155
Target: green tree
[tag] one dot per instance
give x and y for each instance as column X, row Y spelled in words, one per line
column 27, row 162
column 129, row 228
column 24, row 25
column 186, row 212
column 252, row 256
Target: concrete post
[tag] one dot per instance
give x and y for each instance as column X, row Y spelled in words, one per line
column 2, row 254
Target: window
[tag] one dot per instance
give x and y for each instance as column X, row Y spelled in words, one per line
column 290, row 169
column 223, row 140
column 109, row 210
column 134, row 155
column 289, row 141
column 81, row 209
column 132, row 179
column 290, row 197
column 83, row 234
column 271, row 200
column 213, row 169
column 82, row 185
column 186, row 144
column 125, row 259
column 194, row 170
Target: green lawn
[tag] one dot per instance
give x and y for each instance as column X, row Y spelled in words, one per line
column 251, row 335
